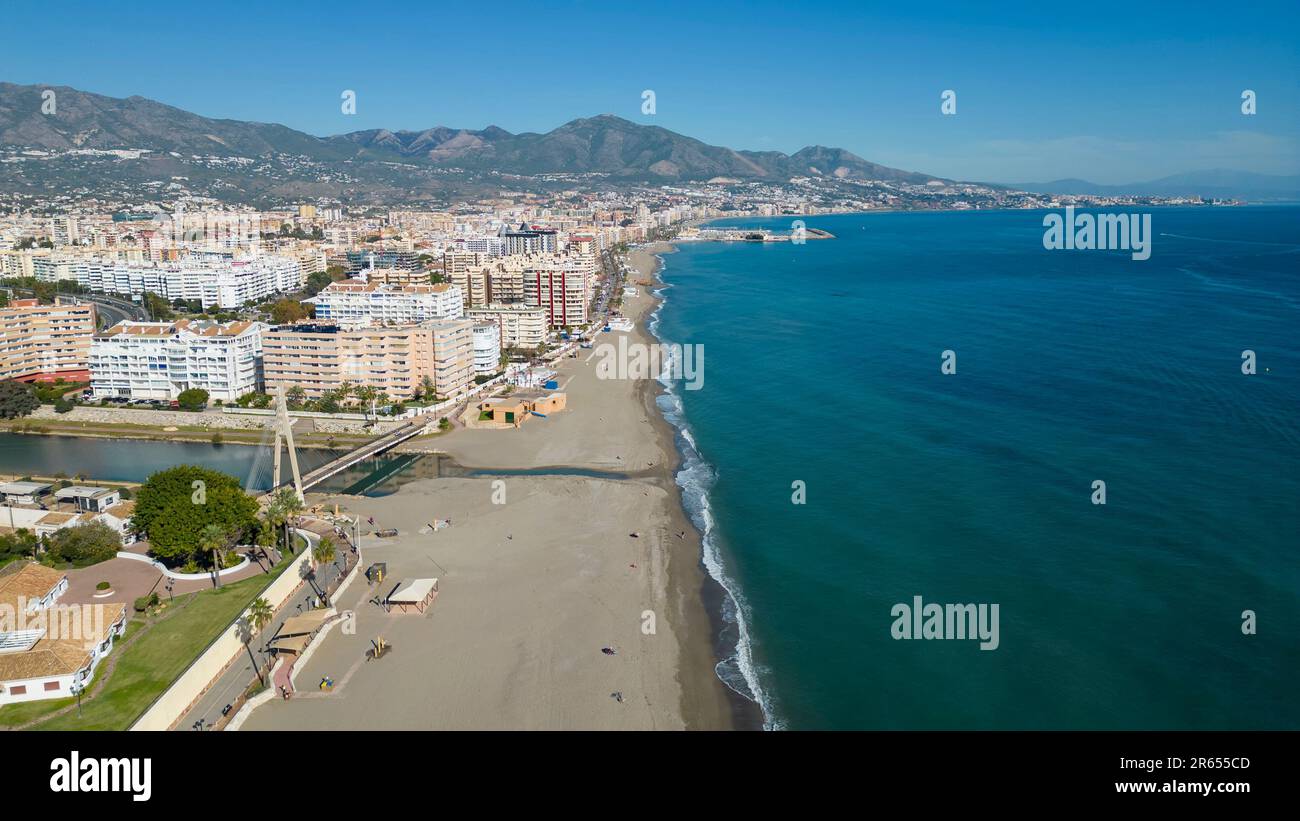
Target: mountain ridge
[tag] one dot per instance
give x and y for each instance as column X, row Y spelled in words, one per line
column 603, row 144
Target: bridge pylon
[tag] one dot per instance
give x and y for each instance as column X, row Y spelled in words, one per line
column 283, row 427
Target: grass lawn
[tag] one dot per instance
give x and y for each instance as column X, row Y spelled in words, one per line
column 158, row 657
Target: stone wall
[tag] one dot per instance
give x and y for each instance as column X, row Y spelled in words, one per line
column 158, row 418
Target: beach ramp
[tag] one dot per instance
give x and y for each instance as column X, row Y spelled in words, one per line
column 412, row 595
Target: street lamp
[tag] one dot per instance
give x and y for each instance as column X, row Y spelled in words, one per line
column 77, row 690
column 168, row 587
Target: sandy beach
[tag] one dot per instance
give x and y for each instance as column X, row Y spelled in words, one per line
column 533, row 588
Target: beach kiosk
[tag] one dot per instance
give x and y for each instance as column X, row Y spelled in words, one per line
column 412, row 595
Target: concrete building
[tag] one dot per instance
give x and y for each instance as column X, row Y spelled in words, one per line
column 521, row 326
column 487, row 348
column 319, row 357
column 214, row 279
column 355, row 303
column 158, row 360
column 46, row 342
column 565, row 295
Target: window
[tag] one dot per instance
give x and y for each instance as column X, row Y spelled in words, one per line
column 18, row 690
column 51, row 686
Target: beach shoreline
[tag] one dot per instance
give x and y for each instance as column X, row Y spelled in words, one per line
column 534, row 590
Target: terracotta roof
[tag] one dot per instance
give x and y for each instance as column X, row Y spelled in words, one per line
column 122, row 510
column 60, row 656
column 32, row 581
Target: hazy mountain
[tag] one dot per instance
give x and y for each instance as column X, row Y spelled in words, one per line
column 1220, row 183
column 605, row 144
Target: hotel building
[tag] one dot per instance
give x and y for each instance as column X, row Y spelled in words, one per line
column 46, row 342
column 562, row 293
column 158, row 360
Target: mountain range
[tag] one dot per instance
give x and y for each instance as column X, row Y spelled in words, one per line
column 605, row 144
column 266, row 162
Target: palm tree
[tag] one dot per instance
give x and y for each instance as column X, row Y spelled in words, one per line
column 428, row 388
column 267, row 534
column 213, row 538
column 289, row 505
column 259, row 616
column 322, row 554
column 325, row 551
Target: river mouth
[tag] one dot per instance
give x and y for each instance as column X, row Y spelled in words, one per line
column 123, row 460
column 385, row 474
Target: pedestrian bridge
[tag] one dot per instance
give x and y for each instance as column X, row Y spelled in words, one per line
column 374, row 447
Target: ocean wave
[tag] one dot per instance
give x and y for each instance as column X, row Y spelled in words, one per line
column 695, row 477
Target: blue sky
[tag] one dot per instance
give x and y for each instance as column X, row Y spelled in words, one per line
column 1110, row 92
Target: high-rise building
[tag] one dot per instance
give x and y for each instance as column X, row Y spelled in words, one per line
column 522, row 326
column 320, row 357
column 46, row 342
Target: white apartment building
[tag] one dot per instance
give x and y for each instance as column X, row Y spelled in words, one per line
column 521, row 326
column 215, row 280
column 352, row 303
column 487, row 348
column 158, row 360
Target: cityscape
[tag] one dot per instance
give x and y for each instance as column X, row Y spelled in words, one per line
column 317, row 417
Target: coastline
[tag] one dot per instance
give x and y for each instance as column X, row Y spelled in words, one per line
column 727, row 625
column 533, row 588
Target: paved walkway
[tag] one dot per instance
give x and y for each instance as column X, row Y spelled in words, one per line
column 232, row 683
column 131, row 579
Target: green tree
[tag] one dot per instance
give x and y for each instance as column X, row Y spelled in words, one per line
column 83, row 545
column 259, row 616
column 213, row 539
column 287, row 506
column 173, row 506
column 295, row 396
column 317, row 282
column 19, row 544
column 159, row 309
column 192, row 399
column 287, row 311
column 17, row 399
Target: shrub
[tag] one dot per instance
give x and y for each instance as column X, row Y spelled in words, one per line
column 62, row 405
column 17, row 399
column 103, row 586
column 145, row 602
column 192, row 399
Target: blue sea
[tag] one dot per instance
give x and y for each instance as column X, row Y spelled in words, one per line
column 822, row 367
